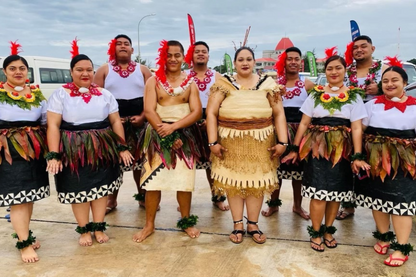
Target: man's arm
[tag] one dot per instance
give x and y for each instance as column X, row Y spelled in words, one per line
column 150, row 103
column 309, row 84
column 146, row 72
column 99, row 77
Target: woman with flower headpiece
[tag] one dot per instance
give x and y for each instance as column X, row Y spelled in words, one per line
column 23, row 176
column 86, row 142
column 171, row 143
column 244, row 111
column 390, row 144
column 329, row 132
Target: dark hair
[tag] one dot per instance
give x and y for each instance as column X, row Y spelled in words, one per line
column 202, row 43
column 176, row 43
column 13, row 58
column 241, row 49
column 335, row 58
column 294, row 49
column 123, row 36
column 363, row 37
column 77, row 58
column 399, row 70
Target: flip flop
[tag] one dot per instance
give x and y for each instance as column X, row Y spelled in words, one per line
column 328, row 243
column 318, row 244
column 395, row 259
column 346, row 215
column 382, row 247
column 109, row 209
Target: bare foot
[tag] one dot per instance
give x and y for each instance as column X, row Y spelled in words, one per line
column 221, row 205
column 345, row 213
column 36, row 245
column 29, row 255
column 101, row 237
column 269, row 211
column 143, row 234
column 301, row 212
column 192, row 232
column 85, row 239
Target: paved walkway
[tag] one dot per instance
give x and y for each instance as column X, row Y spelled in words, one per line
column 169, row 252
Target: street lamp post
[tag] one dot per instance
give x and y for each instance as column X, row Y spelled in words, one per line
column 138, row 32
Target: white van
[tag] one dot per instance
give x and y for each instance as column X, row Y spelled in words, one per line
column 48, row 73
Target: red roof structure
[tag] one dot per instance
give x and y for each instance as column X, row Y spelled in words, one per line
column 283, row 44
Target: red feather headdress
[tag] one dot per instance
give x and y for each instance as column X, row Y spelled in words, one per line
column 349, row 59
column 280, row 65
column 15, row 48
column 329, row 52
column 112, row 50
column 161, row 61
column 190, row 55
column 74, row 48
column 393, row 61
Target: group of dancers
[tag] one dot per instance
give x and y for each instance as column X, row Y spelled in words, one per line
column 352, row 142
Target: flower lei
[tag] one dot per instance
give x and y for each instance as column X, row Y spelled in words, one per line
column 294, row 92
column 333, row 103
column 352, row 75
column 86, row 96
column 124, row 73
column 178, row 90
column 202, row 84
column 34, row 98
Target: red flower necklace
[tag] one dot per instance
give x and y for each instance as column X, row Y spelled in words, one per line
column 202, row 84
column 178, row 90
column 294, row 92
column 124, row 73
column 371, row 76
column 389, row 104
column 85, row 93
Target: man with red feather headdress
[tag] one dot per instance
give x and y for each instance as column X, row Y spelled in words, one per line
column 288, row 66
column 197, row 58
column 171, row 143
column 125, row 79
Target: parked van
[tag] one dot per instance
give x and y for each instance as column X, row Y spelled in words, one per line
column 48, row 73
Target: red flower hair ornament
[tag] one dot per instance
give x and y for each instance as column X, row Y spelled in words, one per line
column 349, row 58
column 393, row 61
column 280, row 65
column 190, row 55
column 74, row 48
column 329, row 52
column 112, row 50
column 15, row 48
column 161, row 61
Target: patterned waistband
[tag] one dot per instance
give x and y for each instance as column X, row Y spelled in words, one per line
column 245, row 124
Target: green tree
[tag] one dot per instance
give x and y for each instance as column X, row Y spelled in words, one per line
column 220, row 69
column 144, row 62
column 413, row 61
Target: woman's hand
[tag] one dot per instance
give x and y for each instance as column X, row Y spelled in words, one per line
column 126, row 157
column 277, row 150
column 165, row 129
column 292, row 156
column 358, row 165
column 217, row 150
column 177, row 144
column 54, row 166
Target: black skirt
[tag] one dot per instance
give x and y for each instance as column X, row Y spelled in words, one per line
column 87, row 183
column 393, row 196
column 23, row 181
column 324, row 181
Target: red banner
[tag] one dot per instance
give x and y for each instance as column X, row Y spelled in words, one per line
column 191, row 29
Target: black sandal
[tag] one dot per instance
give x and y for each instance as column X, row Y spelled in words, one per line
column 330, row 230
column 316, row 234
column 236, row 232
column 254, row 232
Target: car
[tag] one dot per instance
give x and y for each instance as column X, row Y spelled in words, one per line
column 411, row 89
column 321, row 79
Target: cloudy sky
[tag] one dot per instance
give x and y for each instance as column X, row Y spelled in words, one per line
column 46, row 28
